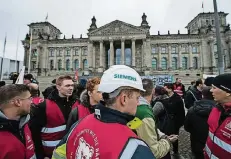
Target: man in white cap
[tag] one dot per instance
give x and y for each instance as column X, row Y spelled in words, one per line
column 218, row 143
column 107, row 134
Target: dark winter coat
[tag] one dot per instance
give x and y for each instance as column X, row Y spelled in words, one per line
column 191, row 96
column 196, row 123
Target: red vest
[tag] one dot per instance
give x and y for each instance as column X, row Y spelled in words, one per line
column 37, row 100
column 92, row 138
column 55, row 127
column 12, row 147
column 218, row 143
column 178, row 90
column 82, row 111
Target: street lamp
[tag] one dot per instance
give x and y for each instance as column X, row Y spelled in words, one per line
column 218, row 36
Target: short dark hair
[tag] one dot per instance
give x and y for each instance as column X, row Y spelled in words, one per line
column 193, row 82
column 60, row 79
column 169, row 86
column 2, row 83
column 198, row 82
column 8, row 92
column 207, row 94
column 159, row 90
column 148, row 87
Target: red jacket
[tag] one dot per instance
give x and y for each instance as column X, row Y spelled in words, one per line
column 55, row 127
column 18, row 145
column 37, row 100
column 218, row 144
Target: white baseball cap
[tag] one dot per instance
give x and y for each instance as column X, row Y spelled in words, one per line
column 120, row 76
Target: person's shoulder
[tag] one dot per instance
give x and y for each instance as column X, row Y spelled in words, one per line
column 144, row 111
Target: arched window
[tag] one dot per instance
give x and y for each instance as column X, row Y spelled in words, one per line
column 59, row 64
column 68, row 65
column 128, row 56
column 76, row 64
column 154, row 63
column 51, row 64
column 174, row 63
column 85, row 64
column 118, row 56
column 164, row 63
column 184, row 63
column 195, row 63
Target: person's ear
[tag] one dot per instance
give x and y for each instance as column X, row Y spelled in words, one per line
column 89, row 93
column 122, row 99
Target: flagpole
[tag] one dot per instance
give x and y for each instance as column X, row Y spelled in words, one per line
column 29, row 61
column 17, row 52
column 4, row 50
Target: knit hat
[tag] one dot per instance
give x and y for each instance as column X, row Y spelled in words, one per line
column 223, row 82
column 209, row 81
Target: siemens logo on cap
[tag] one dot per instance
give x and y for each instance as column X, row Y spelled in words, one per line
column 120, row 76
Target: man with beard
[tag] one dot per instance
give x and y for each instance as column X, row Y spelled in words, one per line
column 15, row 135
column 48, row 124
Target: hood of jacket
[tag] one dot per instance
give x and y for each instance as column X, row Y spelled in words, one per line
column 143, row 101
column 85, row 101
column 203, row 107
column 13, row 125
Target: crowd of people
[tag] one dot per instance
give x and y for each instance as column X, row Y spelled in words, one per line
column 118, row 115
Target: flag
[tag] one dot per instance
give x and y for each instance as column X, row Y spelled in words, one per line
column 46, row 17
column 76, row 75
column 203, row 5
column 21, row 76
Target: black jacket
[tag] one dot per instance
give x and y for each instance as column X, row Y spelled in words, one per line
column 48, row 91
column 196, row 123
column 39, row 119
column 85, row 101
column 192, row 95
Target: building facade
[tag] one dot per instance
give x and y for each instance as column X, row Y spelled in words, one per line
column 122, row 43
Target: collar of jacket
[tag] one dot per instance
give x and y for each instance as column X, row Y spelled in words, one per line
column 109, row 115
column 143, row 101
column 54, row 96
column 85, row 101
column 6, row 123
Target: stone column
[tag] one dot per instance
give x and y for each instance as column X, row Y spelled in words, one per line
column 159, row 58
column 80, row 57
column 111, row 53
column 93, row 57
column 143, row 53
column 89, row 54
column 190, row 56
column 100, row 69
column 55, row 58
column 169, row 56
column 229, row 53
column 71, row 60
column 213, row 60
column 63, row 59
column 122, row 52
column 200, row 59
column 133, row 52
column 37, row 58
column 179, row 57
column 101, row 53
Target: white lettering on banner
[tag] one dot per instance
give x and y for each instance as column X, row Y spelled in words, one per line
column 53, row 130
column 208, row 151
column 50, row 143
column 131, row 147
column 220, row 143
column 160, row 79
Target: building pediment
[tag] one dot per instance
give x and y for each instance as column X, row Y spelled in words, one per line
column 117, row 28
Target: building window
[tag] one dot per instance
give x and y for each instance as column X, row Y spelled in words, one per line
column 51, row 64
column 68, row 65
column 76, row 63
column 118, row 57
column 207, row 22
column 60, row 53
column 184, row 63
column 164, row 63
column 215, row 48
column 153, row 50
column 60, row 64
column 85, row 51
column 154, row 63
column 68, row 52
column 85, row 64
column 174, row 63
column 163, row 50
column 212, row 22
column 34, row 53
column 76, row 52
column 128, row 57
column 173, row 50
column 194, row 49
column 51, row 53
column 195, row 63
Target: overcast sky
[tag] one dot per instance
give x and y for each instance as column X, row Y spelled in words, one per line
column 74, row 16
